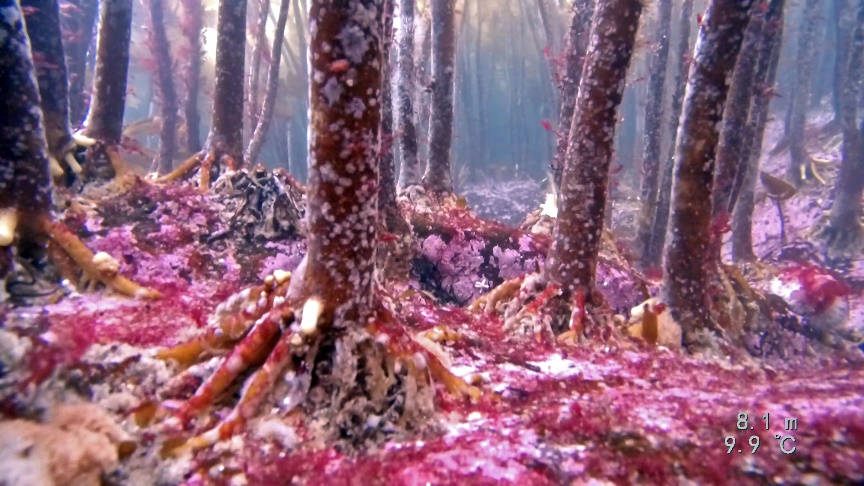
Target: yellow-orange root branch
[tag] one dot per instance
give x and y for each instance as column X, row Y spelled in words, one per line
column 84, row 258
column 183, row 170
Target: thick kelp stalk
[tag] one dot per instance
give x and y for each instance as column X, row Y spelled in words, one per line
column 390, row 213
column 406, row 130
column 164, row 88
column 437, row 178
column 800, row 166
column 844, row 24
column 328, row 314
column 78, row 26
column 480, row 84
column 43, row 29
column 766, row 73
column 225, row 142
column 192, row 24
column 845, row 220
column 551, row 22
column 731, row 162
column 338, row 286
column 266, row 117
column 423, row 78
column 104, row 121
column 25, row 185
column 653, row 132
column 572, row 260
column 687, row 259
column 345, row 77
column 260, row 36
column 664, row 196
column 577, row 45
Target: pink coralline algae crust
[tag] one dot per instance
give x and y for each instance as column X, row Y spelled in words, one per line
column 458, row 263
column 550, row 413
column 282, row 256
column 64, row 331
column 554, row 415
column 161, row 246
column 470, row 255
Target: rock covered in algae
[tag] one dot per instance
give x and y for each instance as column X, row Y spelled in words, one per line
column 75, row 447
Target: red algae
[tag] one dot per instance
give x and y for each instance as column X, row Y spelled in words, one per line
column 550, row 414
column 625, row 416
column 364, row 328
column 170, row 255
column 819, row 288
column 486, row 457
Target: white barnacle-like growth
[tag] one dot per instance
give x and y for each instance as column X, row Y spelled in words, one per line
column 106, row 264
column 281, row 276
column 366, row 17
column 73, row 163
column 550, row 206
column 83, row 140
column 8, row 223
column 311, row 312
column 54, row 167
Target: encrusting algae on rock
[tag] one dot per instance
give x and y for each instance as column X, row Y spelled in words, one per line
column 75, row 446
column 335, row 331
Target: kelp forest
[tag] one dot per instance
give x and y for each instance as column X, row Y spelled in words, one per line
column 533, row 242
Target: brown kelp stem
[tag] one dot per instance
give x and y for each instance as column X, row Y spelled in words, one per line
column 225, row 142
column 653, row 132
column 266, row 117
column 43, row 29
column 664, row 196
column 78, row 26
column 731, row 163
column 437, row 178
column 192, row 25
column 164, row 88
column 577, row 45
column 390, row 213
column 255, row 69
column 406, row 131
column 846, row 210
column 423, row 78
column 572, row 260
column 800, row 165
column 25, row 186
column 687, row 261
column 104, row 121
column 766, row 73
column 740, row 145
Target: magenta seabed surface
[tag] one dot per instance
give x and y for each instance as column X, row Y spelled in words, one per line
column 550, row 414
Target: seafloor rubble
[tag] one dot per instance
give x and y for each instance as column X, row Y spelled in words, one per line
column 619, row 411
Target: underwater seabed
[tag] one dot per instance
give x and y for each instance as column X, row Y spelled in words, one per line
column 615, row 412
